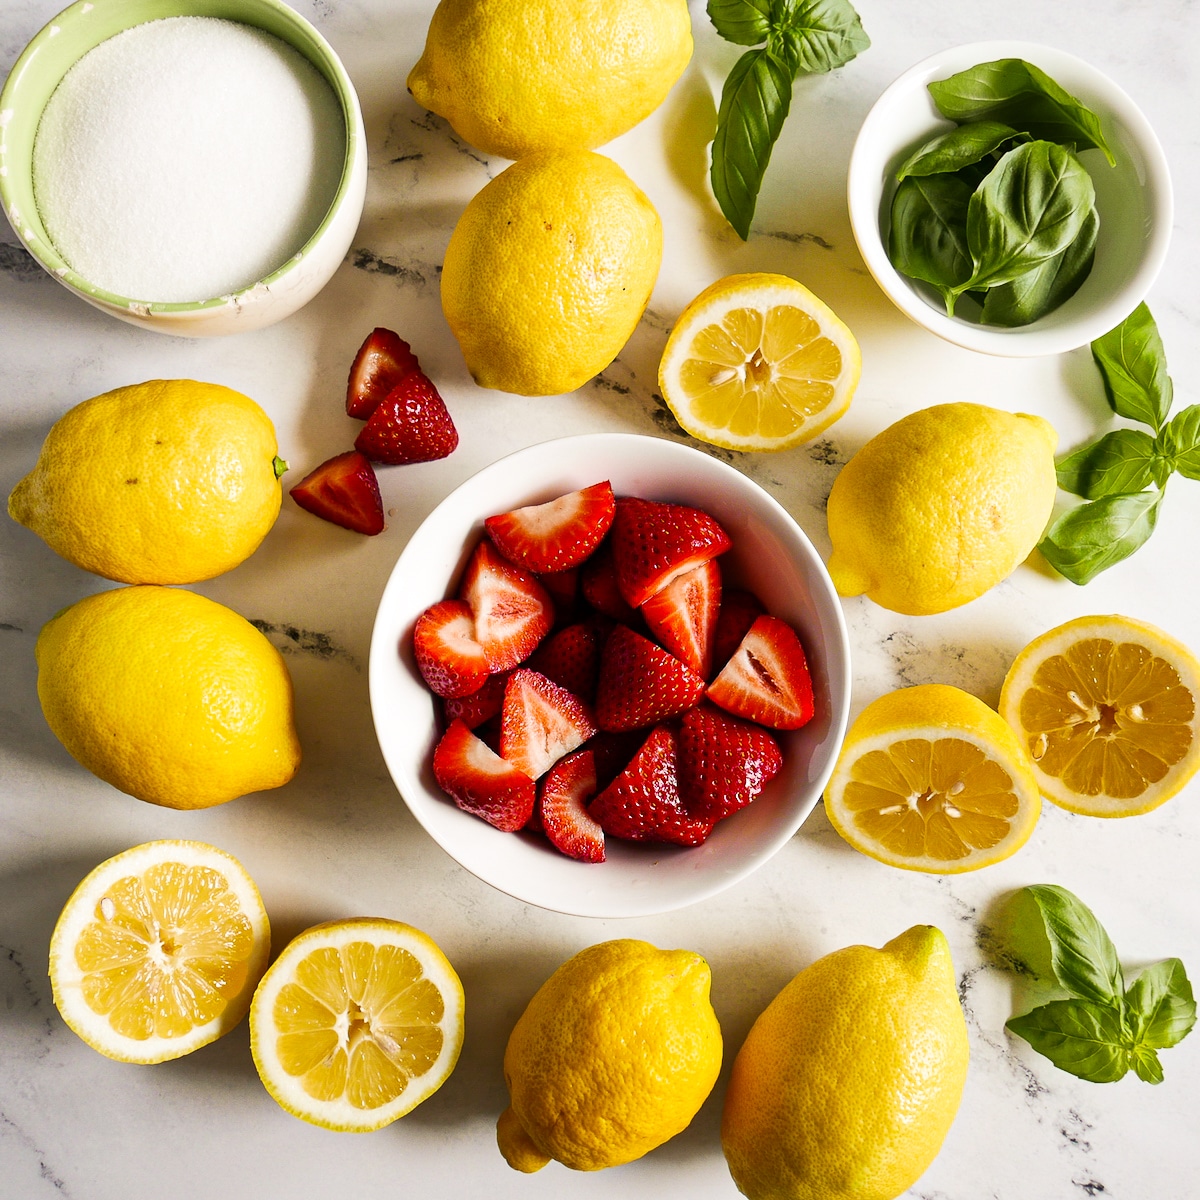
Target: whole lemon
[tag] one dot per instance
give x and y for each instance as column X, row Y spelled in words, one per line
column 168, row 696
column 514, row 79
column 549, row 270
column 615, row 1054
column 848, row 1082
column 941, row 506
column 170, row 481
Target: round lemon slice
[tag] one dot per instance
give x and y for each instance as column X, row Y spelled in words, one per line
column 757, row 362
column 356, row 1023
column 1107, row 708
column 931, row 779
column 158, row 951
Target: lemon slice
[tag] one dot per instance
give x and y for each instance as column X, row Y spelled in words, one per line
column 931, row 779
column 356, row 1023
column 158, row 951
column 757, row 362
column 1107, row 708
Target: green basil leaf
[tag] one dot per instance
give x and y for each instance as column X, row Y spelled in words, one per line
column 928, row 234
column 1146, row 1064
column 745, row 22
column 1161, row 1006
column 1023, row 96
column 754, row 105
column 960, row 147
column 1180, row 441
column 1098, row 535
column 1078, row 1036
column 1043, row 288
column 1082, row 955
column 1134, row 365
column 822, row 34
column 1126, row 460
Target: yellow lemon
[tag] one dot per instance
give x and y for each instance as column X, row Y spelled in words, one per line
column 158, row 951
column 548, row 272
column 1109, row 710
column 847, row 1084
column 941, row 506
column 514, row 79
column 170, row 481
column 931, row 779
column 615, row 1054
column 356, row 1023
column 757, row 362
column 168, row 696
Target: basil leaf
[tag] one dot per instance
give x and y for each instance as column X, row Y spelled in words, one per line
column 1082, row 955
column 1023, row 96
column 1098, row 535
column 822, row 34
column 1134, row 365
column 1161, row 1007
column 928, row 234
column 1078, row 1036
column 744, row 22
column 1145, row 1063
column 1042, row 289
column 1126, row 460
column 960, row 147
column 1180, row 442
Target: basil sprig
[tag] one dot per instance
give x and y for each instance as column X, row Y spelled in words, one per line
column 803, row 37
column 1104, row 1029
column 1123, row 475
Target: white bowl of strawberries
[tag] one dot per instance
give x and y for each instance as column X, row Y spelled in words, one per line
column 633, row 731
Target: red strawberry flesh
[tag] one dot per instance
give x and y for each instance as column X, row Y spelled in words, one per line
column 568, row 787
column 540, row 722
column 640, row 683
column 409, row 425
column 683, row 615
column 343, row 490
column 556, row 535
column 767, row 678
column 382, row 361
column 739, row 610
column 724, row 763
column 449, row 658
column 481, row 782
column 511, row 609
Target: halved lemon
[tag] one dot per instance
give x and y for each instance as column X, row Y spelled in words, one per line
column 931, row 779
column 356, row 1023
column 158, row 951
column 757, row 362
column 1108, row 709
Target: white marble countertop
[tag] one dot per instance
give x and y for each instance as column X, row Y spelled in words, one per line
column 338, row 841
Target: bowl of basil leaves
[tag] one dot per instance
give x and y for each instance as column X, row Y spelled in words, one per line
column 1010, row 198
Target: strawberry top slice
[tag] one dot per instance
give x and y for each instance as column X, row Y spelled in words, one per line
column 653, row 543
column 409, row 425
column 540, row 722
column 450, row 660
column 683, row 615
column 558, row 534
column 480, row 781
column 381, row 362
column 566, row 790
column 343, row 490
column 724, row 763
column 511, row 609
column 767, row 678
column 640, row 683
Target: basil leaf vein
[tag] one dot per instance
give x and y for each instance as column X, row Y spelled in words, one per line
column 1134, row 366
column 1079, row 1036
column 1095, row 536
column 1125, row 460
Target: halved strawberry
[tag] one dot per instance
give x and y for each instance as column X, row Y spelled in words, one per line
column 571, row 657
column 409, row 425
column 739, row 610
column 449, row 658
column 480, row 781
column 767, row 678
column 724, row 763
column 683, row 615
column 381, row 362
column 653, row 543
column 558, row 534
column 566, row 790
column 511, row 609
column 643, row 802
column 640, row 683
column 540, row 722
column 598, row 581
column 479, row 706
column 343, row 490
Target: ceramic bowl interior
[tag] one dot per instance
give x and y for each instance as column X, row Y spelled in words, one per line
column 770, row 555
column 82, row 27
column 1133, row 199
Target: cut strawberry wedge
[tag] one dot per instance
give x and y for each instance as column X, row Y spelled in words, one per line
column 343, row 490
column 540, row 722
column 449, row 658
column 555, row 535
column 683, row 615
column 571, row 658
column 767, row 678
column 640, row 683
column 409, row 425
column 739, row 610
column 566, row 790
column 382, row 361
column 472, row 710
column 511, row 609
column 481, row 782
column 724, row 763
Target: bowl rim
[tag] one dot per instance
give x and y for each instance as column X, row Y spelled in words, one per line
column 1022, row 341
column 306, row 41
column 586, row 902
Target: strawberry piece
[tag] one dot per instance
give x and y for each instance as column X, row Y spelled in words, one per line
column 724, row 763
column 566, row 790
column 556, row 535
column 511, row 609
column 382, row 361
column 767, row 678
column 409, row 425
column 611, row 753
column 563, row 589
column 540, row 722
column 739, row 610
column 599, row 584
column 480, row 781
column 640, row 683
column 653, row 543
column 643, row 802
column 571, row 658
column 450, row 660
column 683, row 615
column 479, row 706
column 343, row 490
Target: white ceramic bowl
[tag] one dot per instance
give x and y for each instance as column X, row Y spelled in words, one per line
column 1133, row 199
column 770, row 555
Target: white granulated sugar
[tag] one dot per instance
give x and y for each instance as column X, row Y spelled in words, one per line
column 186, row 158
